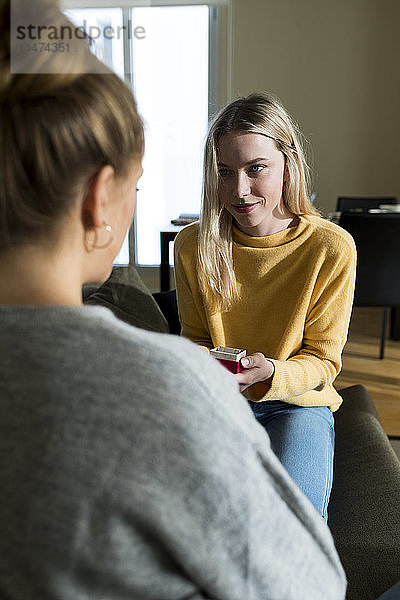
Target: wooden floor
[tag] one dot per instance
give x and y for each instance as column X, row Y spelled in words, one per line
column 362, row 365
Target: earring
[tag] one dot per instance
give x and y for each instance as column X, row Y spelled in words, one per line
column 92, row 239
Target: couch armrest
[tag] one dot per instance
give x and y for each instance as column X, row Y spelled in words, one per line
column 364, row 512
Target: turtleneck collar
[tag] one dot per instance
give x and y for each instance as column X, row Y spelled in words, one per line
column 271, row 241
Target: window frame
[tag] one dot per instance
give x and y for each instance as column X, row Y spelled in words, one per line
column 220, row 16
column 70, row 4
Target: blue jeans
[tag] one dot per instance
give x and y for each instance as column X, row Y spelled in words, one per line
column 303, row 439
column 392, row 594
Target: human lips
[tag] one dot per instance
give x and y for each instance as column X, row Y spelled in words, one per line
column 245, row 208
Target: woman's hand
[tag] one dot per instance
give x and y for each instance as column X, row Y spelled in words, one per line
column 256, row 368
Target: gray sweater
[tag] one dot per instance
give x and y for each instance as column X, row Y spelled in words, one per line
column 132, row 468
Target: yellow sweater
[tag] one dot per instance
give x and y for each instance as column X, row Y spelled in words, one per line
column 296, row 291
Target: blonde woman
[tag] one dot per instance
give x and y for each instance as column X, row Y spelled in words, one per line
column 264, row 272
column 109, row 483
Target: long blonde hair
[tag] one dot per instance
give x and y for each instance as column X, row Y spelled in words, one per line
column 57, row 131
column 258, row 113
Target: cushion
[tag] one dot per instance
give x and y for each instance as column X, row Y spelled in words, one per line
column 125, row 294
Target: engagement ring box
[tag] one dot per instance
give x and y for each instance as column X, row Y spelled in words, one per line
column 229, row 357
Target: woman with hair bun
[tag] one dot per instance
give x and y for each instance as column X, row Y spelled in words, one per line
column 262, row 271
column 121, row 476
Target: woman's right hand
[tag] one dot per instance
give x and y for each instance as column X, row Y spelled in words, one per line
column 256, row 368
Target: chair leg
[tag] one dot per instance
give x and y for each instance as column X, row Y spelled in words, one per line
column 383, row 335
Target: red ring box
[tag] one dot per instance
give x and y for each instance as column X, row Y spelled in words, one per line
column 229, row 357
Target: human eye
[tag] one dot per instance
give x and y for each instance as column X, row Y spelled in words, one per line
column 223, row 172
column 256, row 168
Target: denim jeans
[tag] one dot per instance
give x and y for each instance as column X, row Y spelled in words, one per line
column 392, row 594
column 303, row 439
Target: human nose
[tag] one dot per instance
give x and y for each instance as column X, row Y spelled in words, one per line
column 242, row 185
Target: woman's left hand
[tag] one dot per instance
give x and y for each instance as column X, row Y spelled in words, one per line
column 256, row 368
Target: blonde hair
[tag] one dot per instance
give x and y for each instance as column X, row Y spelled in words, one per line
column 258, row 113
column 57, row 131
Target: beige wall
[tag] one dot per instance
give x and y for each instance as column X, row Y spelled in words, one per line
column 335, row 66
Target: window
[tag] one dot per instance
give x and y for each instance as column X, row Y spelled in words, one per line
column 164, row 53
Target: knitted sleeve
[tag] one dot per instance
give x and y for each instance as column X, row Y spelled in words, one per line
column 317, row 363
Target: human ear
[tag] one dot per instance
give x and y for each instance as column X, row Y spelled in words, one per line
column 97, row 198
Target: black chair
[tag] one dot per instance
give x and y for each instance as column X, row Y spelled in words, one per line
column 346, row 203
column 377, row 238
column 168, row 305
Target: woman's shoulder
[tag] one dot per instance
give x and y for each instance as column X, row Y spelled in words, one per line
column 117, row 350
column 330, row 234
column 186, row 240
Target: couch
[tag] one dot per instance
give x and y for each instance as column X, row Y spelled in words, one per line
column 364, row 510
